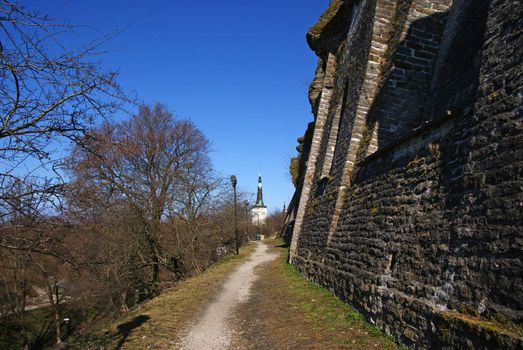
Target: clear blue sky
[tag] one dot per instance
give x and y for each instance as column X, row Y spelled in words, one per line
column 239, row 69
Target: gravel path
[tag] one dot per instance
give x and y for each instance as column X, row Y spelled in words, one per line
column 212, row 331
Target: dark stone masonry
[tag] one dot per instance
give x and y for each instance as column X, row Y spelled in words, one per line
column 409, row 199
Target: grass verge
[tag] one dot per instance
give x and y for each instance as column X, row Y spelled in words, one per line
column 293, row 313
column 157, row 323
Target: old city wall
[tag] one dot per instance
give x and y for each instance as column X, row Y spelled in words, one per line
column 410, row 206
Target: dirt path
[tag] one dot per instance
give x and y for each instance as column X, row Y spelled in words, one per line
column 287, row 312
column 213, row 330
column 266, row 304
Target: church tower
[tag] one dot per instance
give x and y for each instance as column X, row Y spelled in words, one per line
column 259, row 211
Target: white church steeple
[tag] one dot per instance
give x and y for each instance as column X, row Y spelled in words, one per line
column 259, row 210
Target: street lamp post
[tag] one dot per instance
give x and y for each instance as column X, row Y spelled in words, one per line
column 236, row 232
column 246, row 204
column 259, row 233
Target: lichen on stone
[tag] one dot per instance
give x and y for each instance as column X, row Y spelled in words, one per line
column 330, row 25
column 325, row 18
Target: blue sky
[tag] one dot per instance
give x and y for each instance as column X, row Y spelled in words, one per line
column 240, row 70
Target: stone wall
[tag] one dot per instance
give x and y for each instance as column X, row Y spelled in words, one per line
column 411, row 204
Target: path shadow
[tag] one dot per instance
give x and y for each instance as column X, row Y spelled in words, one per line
column 283, row 245
column 126, row 328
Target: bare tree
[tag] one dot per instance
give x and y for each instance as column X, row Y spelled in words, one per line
column 51, row 272
column 50, row 95
column 15, row 287
column 197, row 191
column 142, row 161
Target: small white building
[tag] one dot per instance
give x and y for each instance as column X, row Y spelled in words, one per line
column 259, row 210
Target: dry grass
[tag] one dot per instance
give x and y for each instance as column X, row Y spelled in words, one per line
column 284, row 312
column 505, row 328
column 157, row 324
column 292, row 313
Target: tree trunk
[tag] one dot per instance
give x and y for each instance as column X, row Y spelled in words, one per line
column 53, row 295
column 58, row 320
column 154, row 249
column 156, row 271
column 123, row 302
column 23, row 332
